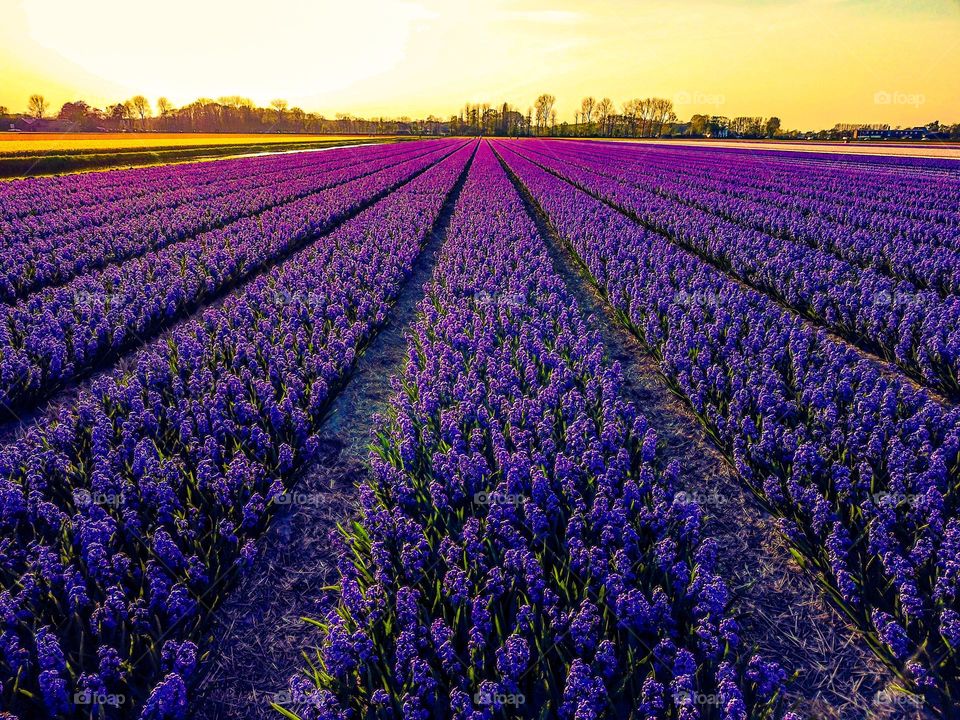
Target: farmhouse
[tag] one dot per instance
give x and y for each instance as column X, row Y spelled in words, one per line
column 30, row 124
column 915, row 133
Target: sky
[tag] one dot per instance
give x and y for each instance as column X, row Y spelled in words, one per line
column 812, row 63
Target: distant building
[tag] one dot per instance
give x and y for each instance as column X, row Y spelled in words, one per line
column 30, row 124
column 719, row 127
column 915, row 133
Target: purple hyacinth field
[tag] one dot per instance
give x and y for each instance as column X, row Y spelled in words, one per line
column 471, row 429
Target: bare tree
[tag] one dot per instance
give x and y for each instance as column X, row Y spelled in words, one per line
column 586, row 110
column 280, row 106
column 486, row 118
column 37, row 106
column 164, row 106
column 699, row 125
column 604, row 111
column 544, row 108
column 235, row 101
column 299, row 118
column 119, row 114
column 141, row 109
column 661, row 113
column 647, row 112
column 631, row 112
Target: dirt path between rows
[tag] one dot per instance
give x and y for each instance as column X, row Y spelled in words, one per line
column 780, row 608
column 259, row 633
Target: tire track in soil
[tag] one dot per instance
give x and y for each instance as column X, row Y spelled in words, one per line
column 780, row 607
column 261, row 635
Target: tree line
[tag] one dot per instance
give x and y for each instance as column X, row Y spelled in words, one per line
column 639, row 117
column 650, row 117
column 233, row 114
column 636, row 118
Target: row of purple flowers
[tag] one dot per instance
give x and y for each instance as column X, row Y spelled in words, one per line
column 861, row 466
column 920, row 205
column 916, row 329
column 139, row 196
column 55, row 335
column 125, row 514
column 30, row 263
column 521, row 550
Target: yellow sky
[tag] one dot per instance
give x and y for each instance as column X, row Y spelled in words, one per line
column 812, row 62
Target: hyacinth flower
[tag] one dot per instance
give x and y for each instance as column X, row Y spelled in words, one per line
column 521, row 552
column 933, row 188
column 924, row 253
column 29, row 263
column 861, row 466
column 868, row 240
column 126, row 513
column 910, row 235
column 59, row 333
column 897, row 207
column 101, row 202
column 915, row 329
column 80, row 192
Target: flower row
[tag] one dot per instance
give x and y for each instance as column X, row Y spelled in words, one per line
column 35, row 197
column 862, row 467
column 926, row 254
column 124, row 515
column 915, row 329
column 521, row 552
column 32, row 263
column 920, row 204
column 144, row 195
column 57, row 334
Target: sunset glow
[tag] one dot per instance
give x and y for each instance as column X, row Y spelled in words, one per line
column 811, row 63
